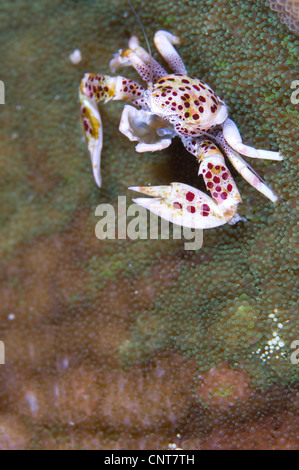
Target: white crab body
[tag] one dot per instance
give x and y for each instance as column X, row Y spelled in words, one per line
column 188, row 103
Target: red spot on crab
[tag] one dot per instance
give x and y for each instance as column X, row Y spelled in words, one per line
column 225, row 176
column 191, row 209
column 223, row 195
column 209, row 175
column 177, row 205
column 216, row 179
column 205, row 210
column 229, row 188
column 190, row 196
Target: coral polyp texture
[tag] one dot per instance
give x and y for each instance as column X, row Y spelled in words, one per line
column 287, row 11
column 139, row 344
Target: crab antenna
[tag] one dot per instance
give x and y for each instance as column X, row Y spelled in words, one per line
column 146, row 39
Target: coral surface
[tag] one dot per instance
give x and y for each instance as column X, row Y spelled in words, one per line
column 135, row 344
column 287, row 11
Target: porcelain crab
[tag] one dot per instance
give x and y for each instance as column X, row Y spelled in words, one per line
column 174, row 105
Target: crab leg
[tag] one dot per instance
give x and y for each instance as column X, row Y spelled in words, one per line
column 245, row 170
column 164, row 43
column 142, row 62
column 184, row 205
column 95, row 88
column 232, row 136
column 149, row 70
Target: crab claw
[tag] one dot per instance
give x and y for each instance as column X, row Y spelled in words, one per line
column 184, row 205
column 151, row 131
